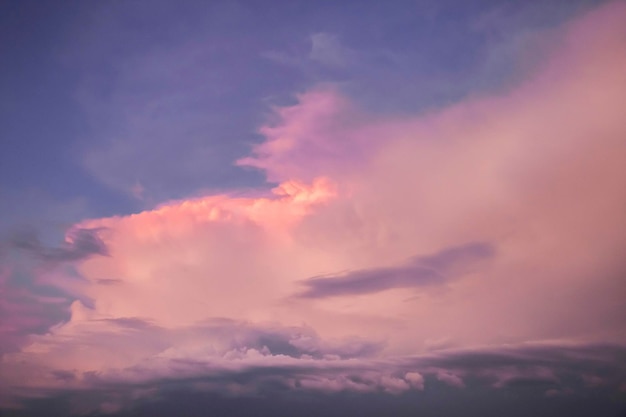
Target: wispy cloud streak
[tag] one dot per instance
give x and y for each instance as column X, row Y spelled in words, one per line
column 79, row 244
column 436, row 269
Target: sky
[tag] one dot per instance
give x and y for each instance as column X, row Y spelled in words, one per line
column 232, row 208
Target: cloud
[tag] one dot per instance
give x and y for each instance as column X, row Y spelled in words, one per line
column 26, row 308
column 519, row 170
column 420, row 271
column 540, row 365
column 79, row 244
column 450, row 379
column 327, row 50
column 199, row 292
column 415, row 379
column 316, row 132
column 324, row 57
column 533, row 371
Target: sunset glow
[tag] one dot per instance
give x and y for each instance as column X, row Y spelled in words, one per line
column 278, row 220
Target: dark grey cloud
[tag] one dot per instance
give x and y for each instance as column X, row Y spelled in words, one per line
column 280, row 389
column 80, row 244
column 447, row 402
column 572, row 356
column 64, row 375
column 544, row 368
column 434, row 269
column 536, row 370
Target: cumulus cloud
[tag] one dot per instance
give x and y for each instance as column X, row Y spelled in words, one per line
column 202, row 289
column 450, row 379
column 415, row 379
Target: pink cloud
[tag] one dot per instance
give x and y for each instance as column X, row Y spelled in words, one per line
column 511, row 375
column 415, row 379
column 450, row 379
column 538, row 173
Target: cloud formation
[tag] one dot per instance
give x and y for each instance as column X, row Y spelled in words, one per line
column 420, row 271
column 201, row 291
column 79, row 244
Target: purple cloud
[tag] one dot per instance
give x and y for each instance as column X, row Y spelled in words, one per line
column 421, row 271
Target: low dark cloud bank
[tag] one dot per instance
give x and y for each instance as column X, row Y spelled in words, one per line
column 538, row 380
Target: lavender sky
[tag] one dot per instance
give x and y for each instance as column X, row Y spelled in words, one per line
column 308, row 208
